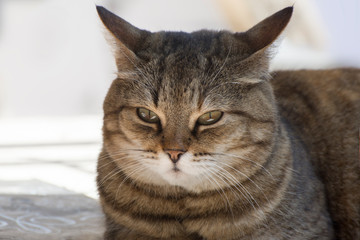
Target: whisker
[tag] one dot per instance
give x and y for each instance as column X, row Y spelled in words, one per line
column 108, row 156
column 120, row 153
column 241, row 173
column 116, row 171
column 122, row 172
column 237, row 184
column 111, row 174
column 224, row 194
column 111, row 160
column 221, row 194
column 247, row 177
column 228, row 184
column 246, row 159
column 137, row 169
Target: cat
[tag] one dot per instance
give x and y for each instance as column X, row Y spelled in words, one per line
column 201, row 141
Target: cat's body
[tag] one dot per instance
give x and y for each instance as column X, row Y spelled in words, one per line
column 323, row 108
column 278, row 159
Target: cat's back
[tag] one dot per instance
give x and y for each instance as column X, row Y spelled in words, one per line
column 323, row 108
column 318, row 101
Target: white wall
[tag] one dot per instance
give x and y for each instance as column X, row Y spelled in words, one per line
column 55, row 61
column 342, row 20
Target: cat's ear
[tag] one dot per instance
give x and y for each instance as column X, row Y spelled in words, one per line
column 126, row 38
column 259, row 42
column 266, row 32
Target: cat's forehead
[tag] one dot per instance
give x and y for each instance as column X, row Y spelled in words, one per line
column 189, row 84
column 195, row 46
column 178, row 58
column 187, row 70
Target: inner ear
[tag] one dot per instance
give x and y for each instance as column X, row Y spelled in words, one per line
column 258, row 40
column 265, row 33
column 127, row 39
column 127, row 34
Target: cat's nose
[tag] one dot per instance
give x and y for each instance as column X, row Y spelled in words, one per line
column 174, row 155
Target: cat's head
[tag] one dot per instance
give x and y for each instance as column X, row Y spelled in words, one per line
column 190, row 109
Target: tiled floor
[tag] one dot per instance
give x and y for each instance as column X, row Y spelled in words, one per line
column 60, row 214
column 47, row 178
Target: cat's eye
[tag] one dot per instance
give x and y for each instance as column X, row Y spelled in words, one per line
column 209, row 118
column 147, row 116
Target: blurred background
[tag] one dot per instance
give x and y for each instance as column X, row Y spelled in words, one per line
column 55, row 69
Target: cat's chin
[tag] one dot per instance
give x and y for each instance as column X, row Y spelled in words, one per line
column 174, row 178
column 180, row 178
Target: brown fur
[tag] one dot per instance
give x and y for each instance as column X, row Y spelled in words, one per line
column 281, row 163
column 324, row 109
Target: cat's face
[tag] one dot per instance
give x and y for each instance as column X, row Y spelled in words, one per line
column 190, row 110
column 194, row 104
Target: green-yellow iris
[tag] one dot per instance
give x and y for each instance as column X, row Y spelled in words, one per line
column 209, row 118
column 147, row 116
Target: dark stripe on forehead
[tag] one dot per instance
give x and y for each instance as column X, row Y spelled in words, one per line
column 157, row 72
column 155, row 97
column 200, row 99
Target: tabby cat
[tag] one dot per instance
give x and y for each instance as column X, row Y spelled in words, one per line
column 200, row 141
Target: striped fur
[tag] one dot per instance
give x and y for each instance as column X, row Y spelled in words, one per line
column 280, row 163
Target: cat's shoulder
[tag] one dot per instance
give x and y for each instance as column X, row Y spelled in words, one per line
column 323, row 109
column 318, row 90
column 328, row 79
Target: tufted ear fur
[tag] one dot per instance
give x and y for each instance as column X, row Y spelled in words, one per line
column 128, row 39
column 266, row 32
column 259, row 40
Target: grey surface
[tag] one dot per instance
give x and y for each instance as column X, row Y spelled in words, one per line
column 60, row 216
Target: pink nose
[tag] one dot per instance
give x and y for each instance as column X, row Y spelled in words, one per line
column 174, row 155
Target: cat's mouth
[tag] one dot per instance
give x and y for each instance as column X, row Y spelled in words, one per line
column 175, row 173
column 175, row 169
